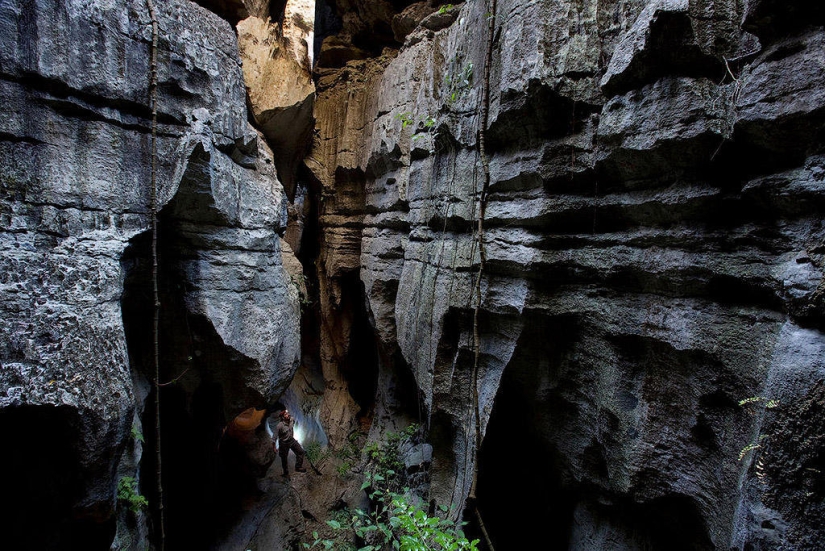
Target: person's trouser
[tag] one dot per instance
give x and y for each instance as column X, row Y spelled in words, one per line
column 296, row 449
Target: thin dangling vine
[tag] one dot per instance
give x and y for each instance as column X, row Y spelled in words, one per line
column 485, row 165
column 153, row 103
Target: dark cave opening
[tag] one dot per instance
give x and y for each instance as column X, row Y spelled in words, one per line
column 42, row 482
column 529, row 466
column 360, row 366
column 520, row 479
column 673, row 523
column 309, row 247
column 204, row 481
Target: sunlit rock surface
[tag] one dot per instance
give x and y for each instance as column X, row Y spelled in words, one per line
column 277, row 53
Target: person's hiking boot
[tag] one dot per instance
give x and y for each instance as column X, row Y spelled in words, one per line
column 300, row 470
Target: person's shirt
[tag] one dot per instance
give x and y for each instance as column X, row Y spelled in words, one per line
column 284, row 430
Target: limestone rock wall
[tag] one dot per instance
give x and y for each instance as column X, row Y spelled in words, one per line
column 277, row 55
column 651, row 307
column 653, row 258
column 75, row 306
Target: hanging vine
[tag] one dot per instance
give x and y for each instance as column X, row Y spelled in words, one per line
column 482, row 202
column 153, row 103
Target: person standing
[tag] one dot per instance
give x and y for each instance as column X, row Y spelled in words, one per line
column 285, row 436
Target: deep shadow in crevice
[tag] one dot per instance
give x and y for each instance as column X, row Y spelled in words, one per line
column 277, row 11
column 520, row 484
column 360, row 366
column 451, row 370
column 204, row 484
column 43, row 481
column 535, row 116
column 327, row 23
column 671, row 523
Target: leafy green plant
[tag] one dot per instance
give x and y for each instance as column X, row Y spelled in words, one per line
column 429, row 124
column 445, row 8
column 406, row 119
column 399, row 521
column 137, row 436
column 313, row 451
column 458, row 80
column 344, row 468
column 318, row 541
column 769, row 404
column 128, row 494
column 744, row 451
column 352, row 449
column 750, row 401
column 396, row 519
column 342, row 538
column 426, row 122
column 300, row 282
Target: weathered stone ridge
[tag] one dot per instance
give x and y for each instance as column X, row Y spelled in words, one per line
column 653, row 257
column 645, row 338
column 75, row 152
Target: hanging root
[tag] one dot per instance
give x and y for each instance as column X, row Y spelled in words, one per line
column 485, row 163
column 153, row 102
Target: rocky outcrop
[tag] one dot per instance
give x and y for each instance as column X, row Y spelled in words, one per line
column 75, row 314
column 652, row 260
column 276, row 51
column 641, row 353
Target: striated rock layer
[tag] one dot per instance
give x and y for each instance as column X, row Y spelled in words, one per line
column 638, row 366
column 75, row 295
column 651, row 314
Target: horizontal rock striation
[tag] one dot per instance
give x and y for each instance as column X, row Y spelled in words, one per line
column 75, row 313
column 653, row 255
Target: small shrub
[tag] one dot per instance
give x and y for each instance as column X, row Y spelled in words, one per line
column 344, row 468
column 458, row 80
column 397, row 519
column 313, row 451
column 128, row 494
column 406, row 119
column 137, row 436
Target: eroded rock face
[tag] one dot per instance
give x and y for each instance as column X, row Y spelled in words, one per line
column 651, row 303
column 276, row 50
column 75, row 153
column 653, row 257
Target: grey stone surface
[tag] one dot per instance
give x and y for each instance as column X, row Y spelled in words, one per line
column 652, row 259
column 74, row 196
column 650, row 314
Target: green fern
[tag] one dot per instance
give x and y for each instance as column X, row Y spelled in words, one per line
column 128, row 494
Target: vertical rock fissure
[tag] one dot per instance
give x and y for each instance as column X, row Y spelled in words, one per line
column 153, row 102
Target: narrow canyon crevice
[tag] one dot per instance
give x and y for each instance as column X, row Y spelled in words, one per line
column 650, row 314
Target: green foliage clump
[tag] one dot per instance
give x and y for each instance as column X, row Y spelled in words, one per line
column 344, row 468
column 300, row 283
column 397, row 519
column 458, row 79
column 128, row 494
column 351, row 450
column 753, row 401
column 348, row 454
column 406, row 119
column 137, row 436
column 313, row 451
column 769, row 404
